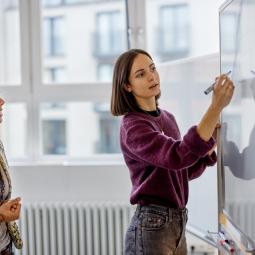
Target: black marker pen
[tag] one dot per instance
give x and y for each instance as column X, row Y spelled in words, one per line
column 210, row 89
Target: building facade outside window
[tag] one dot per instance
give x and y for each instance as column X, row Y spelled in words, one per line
column 108, row 141
column 54, row 137
column 52, row 2
column 54, row 37
column 104, row 72
column 109, row 39
column 55, row 74
column 173, row 33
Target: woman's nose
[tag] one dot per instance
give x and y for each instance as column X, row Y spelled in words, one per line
column 151, row 77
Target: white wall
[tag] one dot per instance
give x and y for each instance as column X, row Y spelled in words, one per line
column 71, row 183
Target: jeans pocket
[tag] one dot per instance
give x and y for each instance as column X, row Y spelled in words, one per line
column 153, row 221
column 130, row 241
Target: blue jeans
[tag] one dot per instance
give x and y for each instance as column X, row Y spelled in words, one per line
column 157, row 230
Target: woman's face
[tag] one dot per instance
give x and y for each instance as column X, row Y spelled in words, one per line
column 1, row 109
column 144, row 80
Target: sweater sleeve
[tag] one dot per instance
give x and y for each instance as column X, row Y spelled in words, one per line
column 199, row 167
column 141, row 141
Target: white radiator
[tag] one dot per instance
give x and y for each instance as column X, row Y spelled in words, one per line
column 243, row 214
column 74, row 229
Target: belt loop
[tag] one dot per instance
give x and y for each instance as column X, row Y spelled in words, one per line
column 138, row 209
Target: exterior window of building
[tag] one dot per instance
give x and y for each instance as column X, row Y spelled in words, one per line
column 10, row 39
column 76, row 1
column 9, row 4
column 52, row 2
column 174, row 31
column 109, row 34
column 105, row 72
column 54, row 36
column 55, row 74
column 108, row 130
column 54, row 137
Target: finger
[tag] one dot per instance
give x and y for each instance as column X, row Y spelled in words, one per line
column 14, row 202
column 18, row 209
column 17, row 199
column 14, row 207
column 230, row 86
column 220, row 80
column 225, row 81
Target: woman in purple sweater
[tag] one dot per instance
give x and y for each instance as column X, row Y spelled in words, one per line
column 160, row 162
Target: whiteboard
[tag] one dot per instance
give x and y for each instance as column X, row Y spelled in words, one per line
column 237, row 42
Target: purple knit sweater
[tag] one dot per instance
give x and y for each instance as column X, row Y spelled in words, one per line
column 161, row 164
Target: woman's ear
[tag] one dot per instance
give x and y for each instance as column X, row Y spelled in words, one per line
column 127, row 87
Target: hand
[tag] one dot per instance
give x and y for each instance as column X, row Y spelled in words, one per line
column 223, row 92
column 10, row 210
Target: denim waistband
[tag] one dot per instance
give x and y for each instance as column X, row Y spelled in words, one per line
column 163, row 210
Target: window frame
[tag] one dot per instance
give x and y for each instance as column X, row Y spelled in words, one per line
column 33, row 91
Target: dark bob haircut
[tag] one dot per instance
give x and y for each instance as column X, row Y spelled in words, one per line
column 123, row 101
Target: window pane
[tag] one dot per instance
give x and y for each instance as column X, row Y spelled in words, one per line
column 54, row 136
column 105, row 72
column 79, row 38
column 75, row 1
column 10, row 73
column 78, row 129
column 14, row 139
column 170, row 22
column 54, row 36
column 176, row 29
column 51, row 2
column 55, row 74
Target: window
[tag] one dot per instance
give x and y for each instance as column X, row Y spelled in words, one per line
column 55, row 74
column 10, row 67
column 52, row 2
column 13, row 130
column 173, row 31
column 108, row 130
column 7, row 4
column 92, row 130
column 54, row 137
column 109, row 34
column 54, row 36
column 76, row 1
column 71, row 55
column 105, row 72
column 80, row 37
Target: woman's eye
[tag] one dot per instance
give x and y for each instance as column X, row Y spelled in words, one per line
column 153, row 68
column 139, row 75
